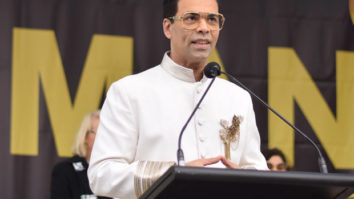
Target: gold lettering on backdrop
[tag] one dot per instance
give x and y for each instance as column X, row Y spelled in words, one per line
column 289, row 81
column 214, row 57
column 36, row 59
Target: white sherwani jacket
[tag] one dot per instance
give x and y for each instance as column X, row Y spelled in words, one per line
column 141, row 120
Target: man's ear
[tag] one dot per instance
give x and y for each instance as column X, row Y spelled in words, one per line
column 167, row 28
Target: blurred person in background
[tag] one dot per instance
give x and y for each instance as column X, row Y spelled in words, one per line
column 276, row 160
column 69, row 177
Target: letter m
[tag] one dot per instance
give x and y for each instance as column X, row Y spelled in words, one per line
column 36, row 59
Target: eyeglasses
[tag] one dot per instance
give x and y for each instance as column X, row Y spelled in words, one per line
column 191, row 20
column 281, row 166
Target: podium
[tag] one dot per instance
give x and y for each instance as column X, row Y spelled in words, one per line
column 193, row 182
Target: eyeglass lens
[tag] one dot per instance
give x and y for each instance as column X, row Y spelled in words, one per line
column 191, row 20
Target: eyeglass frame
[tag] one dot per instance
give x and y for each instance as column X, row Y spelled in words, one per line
column 199, row 13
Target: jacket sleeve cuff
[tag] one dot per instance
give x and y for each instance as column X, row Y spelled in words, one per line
column 147, row 173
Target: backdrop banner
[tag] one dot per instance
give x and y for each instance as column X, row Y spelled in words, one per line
column 58, row 58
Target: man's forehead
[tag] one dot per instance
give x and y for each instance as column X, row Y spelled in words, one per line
column 197, row 6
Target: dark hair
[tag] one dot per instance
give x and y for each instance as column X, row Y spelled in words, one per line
column 169, row 8
column 272, row 152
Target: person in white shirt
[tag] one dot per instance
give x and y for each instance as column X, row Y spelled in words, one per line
column 143, row 113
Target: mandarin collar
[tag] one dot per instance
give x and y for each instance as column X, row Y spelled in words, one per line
column 178, row 71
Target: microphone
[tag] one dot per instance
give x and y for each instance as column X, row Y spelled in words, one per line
column 210, row 73
column 213, row 68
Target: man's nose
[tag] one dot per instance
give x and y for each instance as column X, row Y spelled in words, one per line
column 203, row 26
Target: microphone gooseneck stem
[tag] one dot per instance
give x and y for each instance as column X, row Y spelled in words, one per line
column 321, row 160
column 180, row 155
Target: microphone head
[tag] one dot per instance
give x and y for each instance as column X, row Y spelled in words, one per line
column 212, row 70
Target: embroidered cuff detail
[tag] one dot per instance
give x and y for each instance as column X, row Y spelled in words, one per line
column 147, row 173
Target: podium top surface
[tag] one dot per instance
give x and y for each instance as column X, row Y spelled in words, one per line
column 192, row 182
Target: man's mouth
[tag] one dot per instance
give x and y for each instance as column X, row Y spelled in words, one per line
column 201, row 44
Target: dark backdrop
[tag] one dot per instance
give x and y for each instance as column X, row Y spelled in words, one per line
column 315, row 29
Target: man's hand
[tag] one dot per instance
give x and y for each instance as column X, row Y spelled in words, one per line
column 203, row 162
column 229, row 164
column 209, row 161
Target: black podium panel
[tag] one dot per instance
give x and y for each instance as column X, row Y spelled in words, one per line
column 191, row 182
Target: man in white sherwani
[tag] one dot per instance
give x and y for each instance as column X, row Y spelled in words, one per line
column 143, row 113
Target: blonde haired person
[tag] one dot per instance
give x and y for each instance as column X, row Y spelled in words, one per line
column 85, row 137
column 69, row 177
